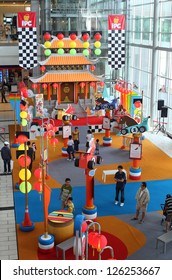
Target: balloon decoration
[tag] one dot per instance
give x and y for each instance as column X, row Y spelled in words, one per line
column 92, row 68
column 73, row 36
column 85, row 37
column 60, row 51
column 24, row 122
column 72, row 51
column 97, row 36
column 123, row 89
column 21, row 160
column 60, row 44
column 22, row 187
column 23, row 115
column 85, row 52
column 72, row 44
column 47, row 44
column 86, row 45
column 47, row 36
column 97, row 51
column 54, row 142
column 97, row 44
column 38, row 173
column 60, row 36
column 22, row 174
column 38, row 186
column 47, row 52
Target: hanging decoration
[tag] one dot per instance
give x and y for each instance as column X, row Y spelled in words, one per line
column 73, row 36
column 42, row 68
column 60, row 51
column 60, row 44
column 85, row 37
column 92, row 68
column 60, row 36
column 47, row 36
column 97, row 36
column 82, row 85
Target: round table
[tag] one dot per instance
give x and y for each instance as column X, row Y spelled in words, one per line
column 61, row 225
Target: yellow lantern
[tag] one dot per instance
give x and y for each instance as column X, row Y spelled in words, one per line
column 23, row 115
column 60, row 44
column 22, row 174
column 72, row 45
column 97, row 44
column 24, row 122
column 21, row 147
column 22, row 187
column 86, row 45
column 47, row 44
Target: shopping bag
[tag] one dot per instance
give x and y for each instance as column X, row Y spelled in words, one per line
column 11, row 164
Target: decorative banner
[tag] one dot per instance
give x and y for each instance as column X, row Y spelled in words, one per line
column 116, row 41
column 27, row 37
column 135, row 151
column 39, row 101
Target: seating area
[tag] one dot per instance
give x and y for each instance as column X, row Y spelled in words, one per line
column 165, row 239
column 110, row 172
column 64, row 246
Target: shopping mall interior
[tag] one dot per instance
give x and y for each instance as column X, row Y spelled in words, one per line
column 144, row 76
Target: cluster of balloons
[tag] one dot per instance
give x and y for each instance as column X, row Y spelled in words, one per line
column 97, row 44
column 122, row 89
column 47, row 44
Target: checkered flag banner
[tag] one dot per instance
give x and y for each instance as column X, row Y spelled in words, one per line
column 27, row 37
column 116, row 41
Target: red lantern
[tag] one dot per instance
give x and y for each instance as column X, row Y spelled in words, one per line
column 97, row 36
column 38, row 186
column 21, row 160
column 102, row 84
column 47, row 36
column 137, row 104
column 91, row 236
column 54, row 142
column 60, row 36
column 49, row 126
column 34, row 86
column 85, row 37
column 92, row 68
column 44, row 86
column 49, row 134
column 24, row 92
column 55, row 85
column 92, row 84
column 42, row 68
column 22, row 139
column 82, row 85
column 84, row 227
column 38, row 173
column 99, row 242
column 73, row 36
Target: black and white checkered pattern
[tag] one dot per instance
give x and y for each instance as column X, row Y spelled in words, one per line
column 27, row 47
column 116, row 48
column 95, row 128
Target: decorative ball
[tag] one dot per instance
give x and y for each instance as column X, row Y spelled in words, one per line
column 85, row 37
column 47, row 52
column 22, row 187
column 86, row 45
column 60, row 44
column 47, row 36
column 47, row 44
column 97, row 51
column 92, row 67
column 22, row 174
column 72, row 45
column 72, row 51
column 97, row 44
column 38, row 186
column 21, row 160
column 24, row 122
column 60, row 36
column 60, row 51
column 97, row 36
column 85, row 52
column 23, row 115
column 73, row 36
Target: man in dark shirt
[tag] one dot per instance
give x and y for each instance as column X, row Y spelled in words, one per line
column 6, row 157
column 120, row 178
column 168, row 209
column 30, row 154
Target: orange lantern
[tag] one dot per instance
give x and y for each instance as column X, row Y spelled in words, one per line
column 21, row 160
column 99, row 242
column 82, row 85
column 38, row 173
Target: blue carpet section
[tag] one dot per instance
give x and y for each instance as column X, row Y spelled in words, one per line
column 104, row 200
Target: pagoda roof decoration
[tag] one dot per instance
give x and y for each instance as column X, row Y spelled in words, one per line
column 66, row 41
column 65, row 76
column 66, row 59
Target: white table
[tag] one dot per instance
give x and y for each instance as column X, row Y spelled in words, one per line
column 111, row 172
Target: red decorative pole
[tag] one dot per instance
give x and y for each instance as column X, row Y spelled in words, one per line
column 107, row 139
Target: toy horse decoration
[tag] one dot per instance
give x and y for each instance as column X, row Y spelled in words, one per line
column 127, row 121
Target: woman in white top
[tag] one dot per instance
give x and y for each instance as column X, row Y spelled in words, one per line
column 70, row 149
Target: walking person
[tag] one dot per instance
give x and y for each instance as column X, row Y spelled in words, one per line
column 97, row 147
column 75, row 136
column 89, row 136
column 6, row 157
column 65, row 192
column 70, row 149
column 3, row 97
column 34, row 150
column 30, row 154
column 120, row 178
column 168, row 210
column 142, row 198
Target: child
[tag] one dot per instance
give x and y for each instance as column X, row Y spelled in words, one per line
column 34, row 149
column 75, row 135
column 70, row 149
column 70, row 205
column 97, row 147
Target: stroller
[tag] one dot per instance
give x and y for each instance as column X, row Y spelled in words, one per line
column 164, row 209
